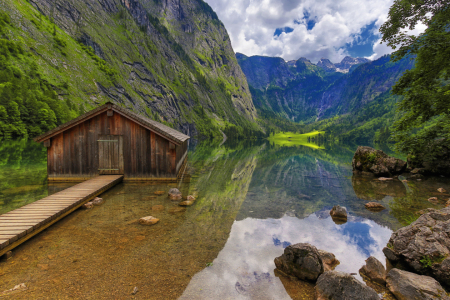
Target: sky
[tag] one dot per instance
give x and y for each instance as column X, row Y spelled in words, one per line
column 313, row 29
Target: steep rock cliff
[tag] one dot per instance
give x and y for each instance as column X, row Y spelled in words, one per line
column 308, row 92
column 169, row 60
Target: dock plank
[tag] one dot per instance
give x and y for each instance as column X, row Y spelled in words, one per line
column 19, row 225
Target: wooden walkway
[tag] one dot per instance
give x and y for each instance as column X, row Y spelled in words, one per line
column 21, row 224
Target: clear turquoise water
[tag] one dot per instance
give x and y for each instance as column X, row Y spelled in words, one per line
column 254, row 199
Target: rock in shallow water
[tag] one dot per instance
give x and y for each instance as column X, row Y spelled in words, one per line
column 338, row 212
column 148, row 220
column 88, row 205
column 407, row 286
column 333, row 285
column 300, row 260
column 369, row 160
column 374, row 270
column 375, row 206
column 424, row 245
column 174, row 194
column 97, row 201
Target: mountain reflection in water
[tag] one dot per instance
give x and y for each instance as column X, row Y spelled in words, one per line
column 254, row 200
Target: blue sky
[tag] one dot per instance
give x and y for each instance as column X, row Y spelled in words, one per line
column 313, row 29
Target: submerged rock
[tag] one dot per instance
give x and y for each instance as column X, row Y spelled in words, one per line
column 186, row 203
column 374, row 270
column 190, row 198
column 375, row 189
column 158, row 208
column 441, row 190
column 385, row 178
column 374, row 206
column 424, row 245
column 97, row 201
column 329, row 261
column 300, row 260
column 339, row 213
column 406, row 286
column 333, row 285
column 174, row 194
column 369, row 160
column 88, row 205
column 433, row 200
column 177, row 209
column 148, row 220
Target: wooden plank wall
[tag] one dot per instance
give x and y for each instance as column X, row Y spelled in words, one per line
column 74, row 152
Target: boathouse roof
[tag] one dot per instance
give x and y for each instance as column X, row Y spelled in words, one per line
column 165, row 131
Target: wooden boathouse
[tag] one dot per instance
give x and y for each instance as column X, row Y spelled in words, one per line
column 111, row 140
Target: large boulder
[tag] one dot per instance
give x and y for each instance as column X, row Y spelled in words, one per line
column 374, row 270
column 300, row 260
column 424, row 245
column 333, row 285
column 407, row 286
column 369, row 160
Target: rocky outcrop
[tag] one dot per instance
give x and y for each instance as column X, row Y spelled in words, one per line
column 374, row 270
column 369, row 160
column 300, row 260
column 407, row 286
column 424, row 245
column 333, row 285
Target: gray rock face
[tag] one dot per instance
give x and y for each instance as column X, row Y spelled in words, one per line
column 374, row 270
column 407, row 286
column 369, row 160
column 300, row 260
column 338, row 212
column 424, row 245
column 333, row 285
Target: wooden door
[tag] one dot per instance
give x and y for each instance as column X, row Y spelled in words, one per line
column 110, row 154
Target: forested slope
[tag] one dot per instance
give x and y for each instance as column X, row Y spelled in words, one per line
column 169, row 60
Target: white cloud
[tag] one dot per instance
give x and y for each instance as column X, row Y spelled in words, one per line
column 252, row 23
column 244, row 269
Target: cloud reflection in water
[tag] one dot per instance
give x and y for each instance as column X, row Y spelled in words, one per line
column 244, row 269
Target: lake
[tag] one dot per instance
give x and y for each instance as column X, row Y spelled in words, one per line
column 254, row 199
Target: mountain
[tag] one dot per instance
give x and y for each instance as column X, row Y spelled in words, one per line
column 304, row 92
column 169, row 60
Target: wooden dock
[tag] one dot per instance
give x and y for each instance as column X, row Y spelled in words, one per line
column 19, row 225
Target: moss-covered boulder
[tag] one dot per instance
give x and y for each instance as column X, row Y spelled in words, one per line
column 424, row 246
column 371, row 161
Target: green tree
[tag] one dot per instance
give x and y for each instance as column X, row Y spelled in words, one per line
column 423, row 113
